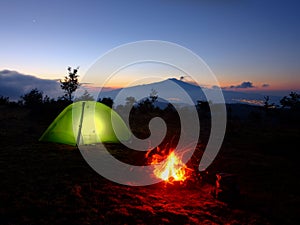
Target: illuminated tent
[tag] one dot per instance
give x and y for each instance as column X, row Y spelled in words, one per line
column 86, row 122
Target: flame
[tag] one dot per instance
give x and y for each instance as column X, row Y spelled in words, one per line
column 171, row 169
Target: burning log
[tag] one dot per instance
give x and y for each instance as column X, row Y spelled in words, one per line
column 168, row 166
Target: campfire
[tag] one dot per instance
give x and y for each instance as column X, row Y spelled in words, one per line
column 169, row 167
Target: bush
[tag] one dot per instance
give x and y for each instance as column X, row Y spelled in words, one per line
column 4, row 100
column 33, row 98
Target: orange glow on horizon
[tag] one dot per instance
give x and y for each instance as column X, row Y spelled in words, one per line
column 276, row 84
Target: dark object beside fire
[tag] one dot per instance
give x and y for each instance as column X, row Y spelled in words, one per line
column 227, row 188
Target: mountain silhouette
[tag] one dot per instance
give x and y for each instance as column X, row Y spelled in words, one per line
column 170, row 90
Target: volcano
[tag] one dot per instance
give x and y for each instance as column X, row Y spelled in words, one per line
column 194, row 91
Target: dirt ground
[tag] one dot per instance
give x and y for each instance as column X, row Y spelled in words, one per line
column 48, row 183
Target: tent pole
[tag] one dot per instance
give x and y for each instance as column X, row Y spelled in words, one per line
column 80, row 124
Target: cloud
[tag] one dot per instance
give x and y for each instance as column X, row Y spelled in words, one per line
column 14, row 84
column 245, row 84
column 265, row 85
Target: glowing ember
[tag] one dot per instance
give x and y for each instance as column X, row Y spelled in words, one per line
column 171, row 169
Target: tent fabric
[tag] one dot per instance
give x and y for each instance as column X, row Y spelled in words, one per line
column 86, row 122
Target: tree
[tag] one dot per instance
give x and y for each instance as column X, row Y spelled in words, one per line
column 267, row 104
column 33, row 98
column 130, row 101
column 145, row 105
column 85, row 97
column 153, row 95
column 148, row 104
column 70, row 83
column 292, row 102
column 4, row 100
column 106, row 101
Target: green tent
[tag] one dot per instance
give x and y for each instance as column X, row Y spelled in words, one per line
column 86, row 122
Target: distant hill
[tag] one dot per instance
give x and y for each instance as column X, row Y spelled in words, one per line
column 166, row 88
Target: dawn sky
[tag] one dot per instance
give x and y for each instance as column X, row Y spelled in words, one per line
column 241, row 40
